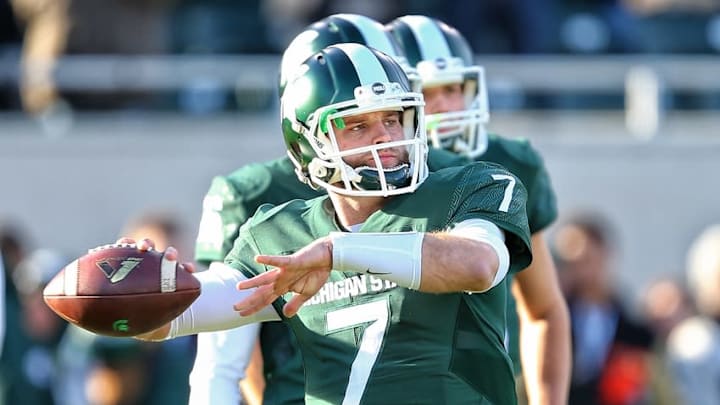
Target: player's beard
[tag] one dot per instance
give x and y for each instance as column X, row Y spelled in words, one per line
column 390, row 158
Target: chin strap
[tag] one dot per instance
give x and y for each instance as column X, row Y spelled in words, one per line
column 398, row 176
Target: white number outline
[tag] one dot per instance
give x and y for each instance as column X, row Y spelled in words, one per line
column 507, row 198
column 378, row 314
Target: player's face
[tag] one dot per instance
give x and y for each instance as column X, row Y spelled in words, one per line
column 445, row 98
column 372, row 129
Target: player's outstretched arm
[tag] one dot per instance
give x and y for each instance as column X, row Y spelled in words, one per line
column 171, row 254
column 213, row 309
column 471, row 257
column 544, row 328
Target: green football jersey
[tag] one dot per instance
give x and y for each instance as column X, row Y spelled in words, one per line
column 368, row 341
column 521, row 159
column 230, row 201
column 233, row 199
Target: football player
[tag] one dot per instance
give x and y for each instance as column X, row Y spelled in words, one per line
column 401, row 272
column 456, row 105
column 222, row 356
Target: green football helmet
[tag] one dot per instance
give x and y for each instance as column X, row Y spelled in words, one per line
column 441, row 55
column 338, row 29
column 345, row 80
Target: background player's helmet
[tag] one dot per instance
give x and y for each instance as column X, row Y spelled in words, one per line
column 441, row 55
column 340, row 81
column 338, row 29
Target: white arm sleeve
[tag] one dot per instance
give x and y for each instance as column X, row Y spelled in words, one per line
column 487, row 232
column 213, row 309
column 220, row 364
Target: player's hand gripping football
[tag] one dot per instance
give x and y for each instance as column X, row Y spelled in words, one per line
column 171, row 254
column 304, row 273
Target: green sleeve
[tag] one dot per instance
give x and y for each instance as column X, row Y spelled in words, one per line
column 542, row 204
column 223, row 213
column 232, row 199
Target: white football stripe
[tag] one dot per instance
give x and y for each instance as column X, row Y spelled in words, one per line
column 374, row 36
column 433, row 42
column 366, row 64
column 168, row 277
column 71, row 278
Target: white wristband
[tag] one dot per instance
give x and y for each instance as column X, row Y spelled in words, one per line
column 393, row 256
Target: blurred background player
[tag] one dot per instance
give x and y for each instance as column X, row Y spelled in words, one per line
column 456, row 104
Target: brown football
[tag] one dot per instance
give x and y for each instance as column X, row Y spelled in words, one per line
column 118, row 290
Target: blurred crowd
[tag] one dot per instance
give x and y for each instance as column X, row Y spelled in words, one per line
column 37, row 32
column 664, row 351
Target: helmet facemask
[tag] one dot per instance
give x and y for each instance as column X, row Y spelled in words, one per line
column 461, row 132
column 329, row 169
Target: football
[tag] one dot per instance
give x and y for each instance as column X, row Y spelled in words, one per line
column 118, row 290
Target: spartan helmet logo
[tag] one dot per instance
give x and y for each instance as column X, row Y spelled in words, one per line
column 441, row 63
column 378, row 88
column 117, row 269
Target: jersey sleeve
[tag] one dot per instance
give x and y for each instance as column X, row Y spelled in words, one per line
column 222, row 214
column 490, row 192
column 542, row 203
column 242, row 255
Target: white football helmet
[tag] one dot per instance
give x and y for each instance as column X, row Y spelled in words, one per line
column 341, row 81
column 441, row 55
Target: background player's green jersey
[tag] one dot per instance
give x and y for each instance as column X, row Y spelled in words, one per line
column 369, row 341
column 520, row 159
column 230, row 201
column 233, row 199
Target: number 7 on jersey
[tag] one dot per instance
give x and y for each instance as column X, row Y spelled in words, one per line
column 507, row 197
